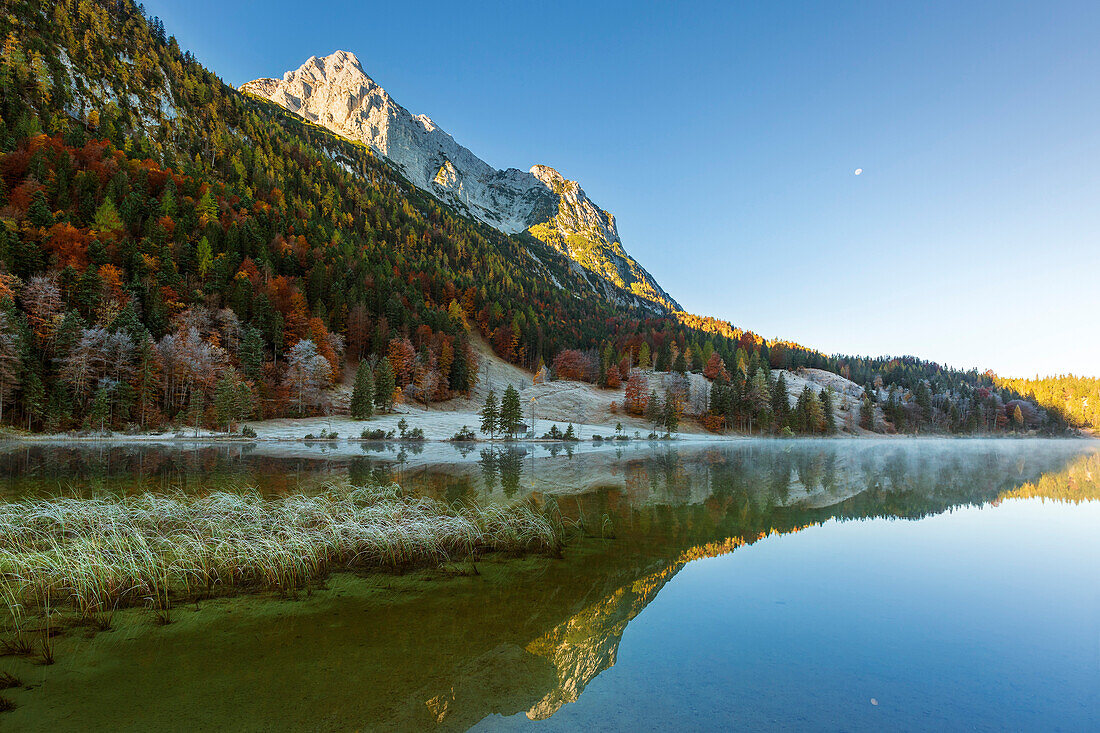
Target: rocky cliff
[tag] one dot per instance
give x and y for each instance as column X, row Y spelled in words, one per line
column 335, row 92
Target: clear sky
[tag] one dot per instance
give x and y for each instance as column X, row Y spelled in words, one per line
column 724, row 137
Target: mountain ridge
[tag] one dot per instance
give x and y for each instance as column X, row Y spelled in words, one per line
column 335, row 92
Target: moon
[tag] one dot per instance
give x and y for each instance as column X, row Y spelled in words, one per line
column 859, row 171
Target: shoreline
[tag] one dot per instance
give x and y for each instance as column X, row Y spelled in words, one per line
column 237, row 439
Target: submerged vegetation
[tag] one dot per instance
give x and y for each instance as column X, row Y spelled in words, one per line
column 97, row 555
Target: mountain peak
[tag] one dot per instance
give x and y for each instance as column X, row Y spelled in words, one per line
column 334, row 91
column 335, row 61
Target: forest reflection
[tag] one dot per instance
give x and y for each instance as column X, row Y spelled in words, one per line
column 522, row 636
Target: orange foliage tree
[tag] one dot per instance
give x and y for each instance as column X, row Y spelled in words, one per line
column 637, row 393
column 401, row 354
column 715, row 368
column 574, row 365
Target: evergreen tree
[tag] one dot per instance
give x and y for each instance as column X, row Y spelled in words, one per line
column 867, row 411
column 99, row 411
column 923, row 396
column 759, row 399
column 207, row 207
column 252, row 354
column 827, row 411
column 39, row 213
column 811, row 418
column 892, row 409
column 490, row 415
column 384, row 384
column 654, row 411
column 680, row 365
column 664, row 356
column 460, row 370
column 643, row 356
column 225, row 402
column 362, row 392
column 204, row 258
column 107, row 220
column 11, row 359
column 244, row 403
column 781, row 405
column 147, row 381
column 718, row 403
column 194, row 410
column 511, row 412
column 670, row 416
column 34, row 398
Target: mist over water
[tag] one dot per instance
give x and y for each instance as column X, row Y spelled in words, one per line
column 939, row 584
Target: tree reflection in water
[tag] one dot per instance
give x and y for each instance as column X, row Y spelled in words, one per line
column 521, row 636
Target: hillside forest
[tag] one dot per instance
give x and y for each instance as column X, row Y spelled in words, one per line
column 174, row 252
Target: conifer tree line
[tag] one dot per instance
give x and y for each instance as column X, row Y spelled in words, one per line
column 175, row 252
column 505, row 418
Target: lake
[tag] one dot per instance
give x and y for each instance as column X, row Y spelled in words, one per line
column 833, row 584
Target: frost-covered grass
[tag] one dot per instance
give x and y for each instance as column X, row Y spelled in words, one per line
column 96, row 555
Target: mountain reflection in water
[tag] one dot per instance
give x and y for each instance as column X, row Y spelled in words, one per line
column 523, row 636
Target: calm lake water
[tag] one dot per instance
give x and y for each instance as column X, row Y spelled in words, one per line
column 839, row 585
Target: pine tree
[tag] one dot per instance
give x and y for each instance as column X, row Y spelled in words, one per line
column 664, row 356
column 252, row 354
column 100, row 410
column 680, row 365
column 39, row 213
column 511, row 413
column 206, row 208
column 11, row 348
column 827, row 411
column 384, row 385
column 759, row 398
column 459, row 377
column 490, row 415
column 107, row 220
column 225, row 402
column 244, row 400
column 781, row 404
column 643, row 356
column 867, row 411
column 810, row 415
column 362, row 392
column 670, row 416
column 923, row 397
column 204, row 258
column 194, row 410
column 654, row 410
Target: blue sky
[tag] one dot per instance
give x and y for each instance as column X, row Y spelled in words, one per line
column 724, row 137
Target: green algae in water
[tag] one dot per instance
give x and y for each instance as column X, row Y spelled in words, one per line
column 753, row 587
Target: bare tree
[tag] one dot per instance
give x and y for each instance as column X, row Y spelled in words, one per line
column 307, row 375
column 189, row 365
column 87, row 362
column 229, row 328
column 42, row 303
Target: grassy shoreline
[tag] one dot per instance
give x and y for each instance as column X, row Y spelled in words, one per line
column 93, row 556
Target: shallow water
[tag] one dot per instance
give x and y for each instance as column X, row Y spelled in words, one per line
column 852, row 585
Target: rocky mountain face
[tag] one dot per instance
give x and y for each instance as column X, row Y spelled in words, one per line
column 335, row 92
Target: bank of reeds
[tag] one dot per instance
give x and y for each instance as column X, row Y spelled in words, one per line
column 97, row 555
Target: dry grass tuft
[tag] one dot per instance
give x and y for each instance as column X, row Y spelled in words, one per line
column 96, row 555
